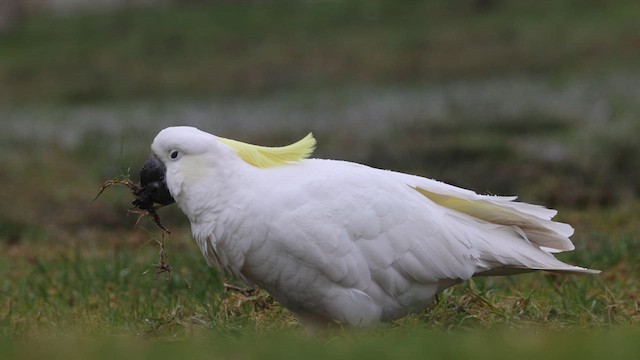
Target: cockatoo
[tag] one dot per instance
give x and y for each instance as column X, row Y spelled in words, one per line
column 339, row 241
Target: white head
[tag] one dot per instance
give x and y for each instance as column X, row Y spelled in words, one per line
column 191, row 155
column 172, row 143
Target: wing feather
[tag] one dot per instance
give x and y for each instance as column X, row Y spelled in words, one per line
column 390, row 241
column 534, row 220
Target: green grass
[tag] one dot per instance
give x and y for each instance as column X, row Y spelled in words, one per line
column 77, row 279
column 417, row 343
column 70, row 266
column 79, row 275
column 96, row 281
column 260, row 47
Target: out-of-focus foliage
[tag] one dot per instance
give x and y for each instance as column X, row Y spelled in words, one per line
column 232, row 48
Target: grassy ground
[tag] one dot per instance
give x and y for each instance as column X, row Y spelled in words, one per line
column 77, row 279
column 79, row 275
column 99, row 291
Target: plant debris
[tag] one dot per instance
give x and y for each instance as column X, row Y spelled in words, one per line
column 143, row 206
column 162, row 266
column 247, row 292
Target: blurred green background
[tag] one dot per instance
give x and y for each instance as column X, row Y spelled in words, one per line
column 538, row 98
column 534, row 98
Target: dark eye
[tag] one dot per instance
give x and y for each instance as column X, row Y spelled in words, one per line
column 173, row 154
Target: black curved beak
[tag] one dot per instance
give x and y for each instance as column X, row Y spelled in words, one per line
column 153, row 185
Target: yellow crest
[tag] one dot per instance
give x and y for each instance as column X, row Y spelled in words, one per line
column 266, row 157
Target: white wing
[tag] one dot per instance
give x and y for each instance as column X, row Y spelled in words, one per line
column 534, row 220
column 359, row 244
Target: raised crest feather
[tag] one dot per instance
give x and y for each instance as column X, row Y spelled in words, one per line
column 266, row 156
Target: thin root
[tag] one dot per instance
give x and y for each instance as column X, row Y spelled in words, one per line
column 162, row 266
column 119, row 180
column 154, row 216
column 243, row 291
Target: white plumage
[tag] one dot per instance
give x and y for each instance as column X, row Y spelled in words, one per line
column 334, row 240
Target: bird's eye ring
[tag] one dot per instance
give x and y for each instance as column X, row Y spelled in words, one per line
column 174, row 154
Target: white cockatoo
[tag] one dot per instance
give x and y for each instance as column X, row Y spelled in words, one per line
column 339, row 241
